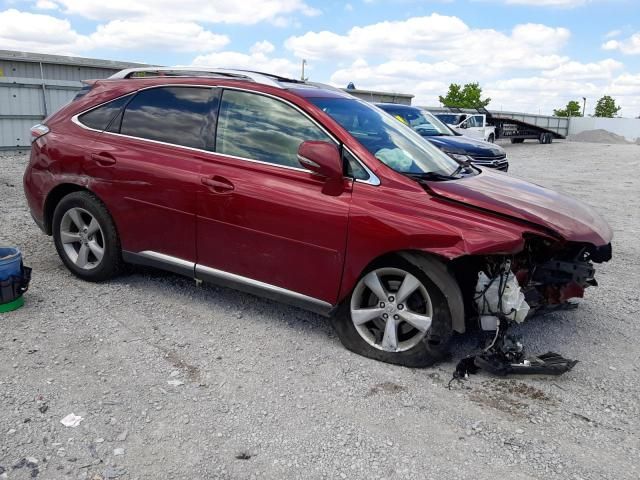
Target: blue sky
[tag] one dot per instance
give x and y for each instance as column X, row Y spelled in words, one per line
column 529, row 55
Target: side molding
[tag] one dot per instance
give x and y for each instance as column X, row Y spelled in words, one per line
column 226, row 279
column 262, row 289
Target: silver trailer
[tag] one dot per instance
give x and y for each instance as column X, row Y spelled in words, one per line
column 515, row 126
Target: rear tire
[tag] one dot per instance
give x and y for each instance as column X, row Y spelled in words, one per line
column 86, row 238
column 418, row 344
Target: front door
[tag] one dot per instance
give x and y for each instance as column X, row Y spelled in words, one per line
column 262, row 218
column 473, row 127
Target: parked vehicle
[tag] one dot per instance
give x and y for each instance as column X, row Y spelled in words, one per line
column 454, row 144
column 472, row 125
column 301, row 193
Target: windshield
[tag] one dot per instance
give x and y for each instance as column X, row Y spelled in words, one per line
column 449, row 118
column 389, row 140
column 420, row 120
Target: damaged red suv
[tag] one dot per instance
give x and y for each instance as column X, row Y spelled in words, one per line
column 301, row 193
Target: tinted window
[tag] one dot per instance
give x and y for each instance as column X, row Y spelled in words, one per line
column 176, row 115
column 262, row 128
column 99, row 118
column 353, row 168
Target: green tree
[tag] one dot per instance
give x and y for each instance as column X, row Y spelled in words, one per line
column 572, row 109
column 606, row 107
column 469, row 96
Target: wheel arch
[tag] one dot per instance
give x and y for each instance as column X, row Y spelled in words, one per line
column 436, row 267
column 53, row 199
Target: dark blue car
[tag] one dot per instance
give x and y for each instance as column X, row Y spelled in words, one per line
column 460, row 147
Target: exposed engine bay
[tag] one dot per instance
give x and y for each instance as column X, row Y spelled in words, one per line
column 509, row 289
column 547, row 274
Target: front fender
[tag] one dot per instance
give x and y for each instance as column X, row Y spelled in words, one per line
column 386, row 221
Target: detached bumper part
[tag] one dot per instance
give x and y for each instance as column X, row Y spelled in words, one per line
column 547, row 364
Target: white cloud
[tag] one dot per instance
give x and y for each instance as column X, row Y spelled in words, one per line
column 523, row 69
column 205, row 11
column 46, row 5
column 39, row 33
column 48, row 34
column 628, row 46
column 178, row 36
column 442, row 38
column 613, row 34
column 602, row 70
column 257, row 60
column 262, row 47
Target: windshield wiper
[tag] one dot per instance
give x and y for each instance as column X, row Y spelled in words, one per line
column 439, row 175
column 432, row 176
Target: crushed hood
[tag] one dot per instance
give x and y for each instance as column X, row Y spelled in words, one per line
column 506, row 195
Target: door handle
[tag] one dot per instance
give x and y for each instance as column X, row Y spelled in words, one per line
column 103, row 158
column 218, row 184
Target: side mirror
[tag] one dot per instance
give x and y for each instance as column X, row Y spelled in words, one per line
column 324, row 159
column 463, row 125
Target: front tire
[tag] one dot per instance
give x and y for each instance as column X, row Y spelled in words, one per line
column 396, row 314
column 491, row 138
column 86, row 238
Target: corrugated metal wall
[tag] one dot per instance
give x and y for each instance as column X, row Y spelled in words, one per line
column 35, row 85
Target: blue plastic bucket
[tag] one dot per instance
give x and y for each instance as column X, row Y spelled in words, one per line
column 10, row 260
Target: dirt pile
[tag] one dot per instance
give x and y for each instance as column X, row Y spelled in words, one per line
column 598, row 136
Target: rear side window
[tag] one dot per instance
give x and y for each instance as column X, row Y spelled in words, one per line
column 99, row 118
column 177, row 115
column 262, row 128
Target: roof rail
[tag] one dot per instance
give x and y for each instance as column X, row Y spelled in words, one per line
column 199, row 71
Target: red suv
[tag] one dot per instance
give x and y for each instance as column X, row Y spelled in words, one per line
column 298, row 192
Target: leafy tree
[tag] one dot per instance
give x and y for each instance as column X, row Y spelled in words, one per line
column 572, row 109
column 469, row 96
column 606, row 107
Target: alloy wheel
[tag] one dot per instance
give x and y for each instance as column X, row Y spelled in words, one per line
column 82, row 238
column 391, row 309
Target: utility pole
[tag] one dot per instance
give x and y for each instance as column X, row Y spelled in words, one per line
column 584, row 105
column 304, row 62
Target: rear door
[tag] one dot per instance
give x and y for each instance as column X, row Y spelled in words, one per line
column 261, row 216
column 146, row 167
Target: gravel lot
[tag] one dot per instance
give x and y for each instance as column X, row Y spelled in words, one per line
column 178, row 381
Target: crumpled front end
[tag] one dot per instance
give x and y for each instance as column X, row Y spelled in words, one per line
column 551, row 275
column 548, row 273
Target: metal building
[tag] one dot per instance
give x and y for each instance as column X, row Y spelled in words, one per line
column 374, row 96
column 34, row 85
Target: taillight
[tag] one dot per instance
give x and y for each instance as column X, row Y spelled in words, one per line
column 37, row 131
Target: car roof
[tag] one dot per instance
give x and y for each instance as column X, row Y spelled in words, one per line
column 206, row 75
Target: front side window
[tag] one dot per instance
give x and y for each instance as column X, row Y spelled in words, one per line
column 177, row 115
column 100, row 118
column 257, row 127
column 474, row 122
column 390, row 141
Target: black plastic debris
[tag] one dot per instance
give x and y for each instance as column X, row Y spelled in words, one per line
column 506, row 356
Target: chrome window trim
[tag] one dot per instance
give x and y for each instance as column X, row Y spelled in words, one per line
column 372, row 180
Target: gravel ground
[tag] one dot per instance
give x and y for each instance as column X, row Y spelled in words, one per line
column 178, row 381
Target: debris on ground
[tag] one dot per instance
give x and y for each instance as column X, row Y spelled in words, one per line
column 71, row 420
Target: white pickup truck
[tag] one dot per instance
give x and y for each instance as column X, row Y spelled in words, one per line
column 472, row 125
